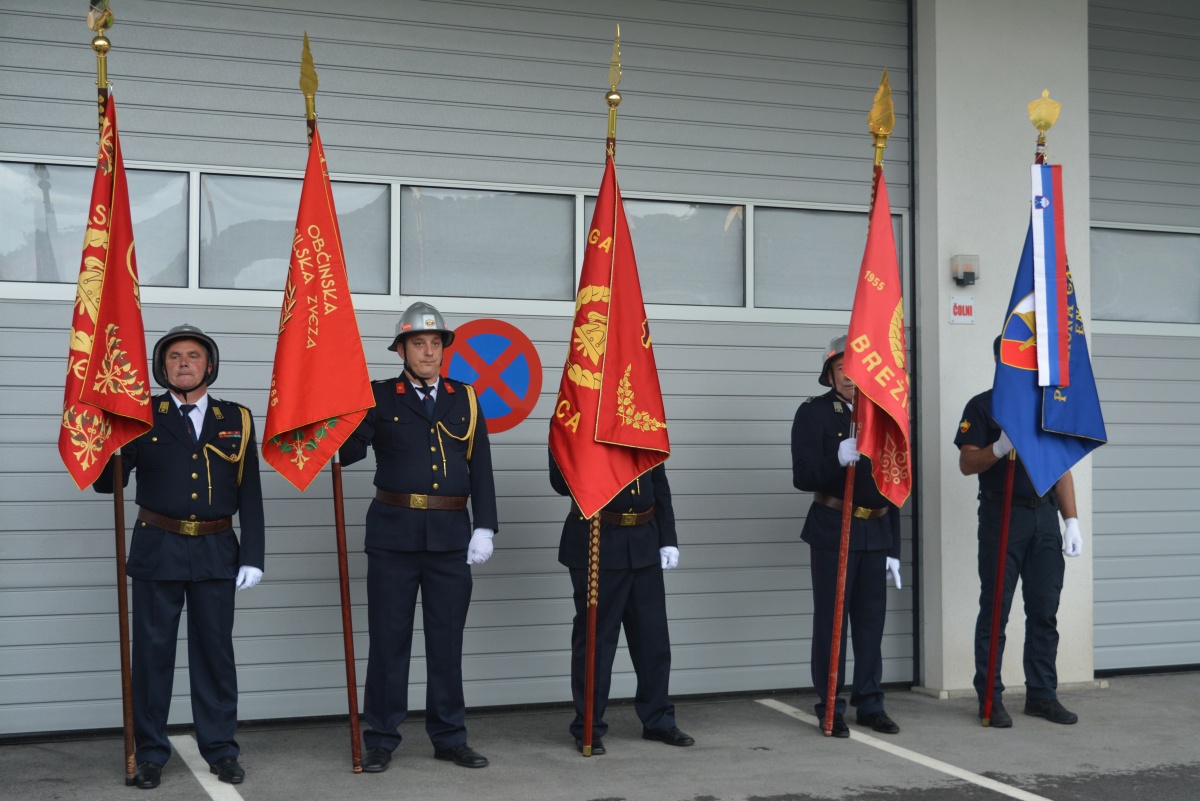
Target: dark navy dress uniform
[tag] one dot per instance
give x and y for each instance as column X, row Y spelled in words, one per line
column 632, row 594
column 189, row 482
column 821, row 424
column 1034, row 554
column 420, row 548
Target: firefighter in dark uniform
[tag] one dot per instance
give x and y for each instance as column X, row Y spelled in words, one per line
column 637, row 543
column 431, row 454
column 1035, row 554
column 822, row 448
column 196, row 468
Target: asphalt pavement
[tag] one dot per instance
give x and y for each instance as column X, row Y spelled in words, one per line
column 1133, row 741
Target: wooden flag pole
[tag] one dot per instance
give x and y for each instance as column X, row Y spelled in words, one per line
column 100, row 19
column 339, row 515
column 839, row 598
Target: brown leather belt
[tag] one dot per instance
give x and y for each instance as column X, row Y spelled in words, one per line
column 626, row 518
column 860, row 512
column 449, row 503
column 188, row 528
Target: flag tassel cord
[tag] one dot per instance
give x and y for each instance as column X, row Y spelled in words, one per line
column 839, row 597
column 593, row 599
column 998, row 591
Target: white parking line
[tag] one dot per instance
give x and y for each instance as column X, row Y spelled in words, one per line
column 912, row 756
column 185, row 746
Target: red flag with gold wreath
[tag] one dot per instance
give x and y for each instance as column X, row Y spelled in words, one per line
column 320, row 388
column 106, row 402
column 875, row 355
column 609, row 426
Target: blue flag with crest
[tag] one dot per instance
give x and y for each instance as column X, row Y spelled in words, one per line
column 1051, row 427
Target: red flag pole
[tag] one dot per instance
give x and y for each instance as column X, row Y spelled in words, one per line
column 1010, row 470
column 339, row 516
column 589, row 660
column 100, row 22
column 839, row 598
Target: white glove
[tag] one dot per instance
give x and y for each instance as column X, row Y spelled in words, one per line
column 848, row 451
column 1002, row 446
column 480, row 549
column 669, row 555
column 893, row 570
column 1072, row 539
column 248, row 577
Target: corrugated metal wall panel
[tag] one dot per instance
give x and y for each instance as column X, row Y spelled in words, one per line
column 740, row 100
column 1145, row 111
column 1146, row 501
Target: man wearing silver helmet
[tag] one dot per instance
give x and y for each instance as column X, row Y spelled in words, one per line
column 822, row 448
column 431, row 457
column 196, row 468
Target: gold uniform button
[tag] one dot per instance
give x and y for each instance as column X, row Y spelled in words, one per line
column 194, row 496
column 195, row 456
column 195, row 475
column 435, row 467
column 191, row 517
column 396, row 419
column 432, row 449
column 431, row 431
column 154, row 439
column 435, row 486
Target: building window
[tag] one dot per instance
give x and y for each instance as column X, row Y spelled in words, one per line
column 809, row 259
column 487, row 244
column 44, row 208
column 247, row 225
column 689, row 254
column 1145, row 276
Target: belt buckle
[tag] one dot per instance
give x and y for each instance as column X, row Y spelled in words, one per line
column 862, row 512
column 419, row 501
column 189, row 528
column 629, row 518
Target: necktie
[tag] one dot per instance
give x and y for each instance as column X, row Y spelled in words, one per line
column 186, row 410
column 428, row 401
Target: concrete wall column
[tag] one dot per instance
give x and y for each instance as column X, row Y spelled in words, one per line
column 977, row 65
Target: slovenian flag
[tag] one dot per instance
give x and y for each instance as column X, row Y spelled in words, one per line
column 1050, row 277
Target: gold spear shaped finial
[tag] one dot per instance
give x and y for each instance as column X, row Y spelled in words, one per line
column 882, row 118
column 308, row 81
column 613, row 97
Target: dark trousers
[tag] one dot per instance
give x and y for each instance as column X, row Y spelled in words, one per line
column 1035, row 555
column 393, row 578
column 211, row 668
column 864, row 609
column 636, row 599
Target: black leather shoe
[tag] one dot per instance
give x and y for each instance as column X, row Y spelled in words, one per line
column 1000, row 718
column 1050, row 709
column 377, row 760
column 878, row 721
column 840, row 729
column 597, row 746
column 672, row 737
column 148, row 775
column 228, row 770
column 463, row 756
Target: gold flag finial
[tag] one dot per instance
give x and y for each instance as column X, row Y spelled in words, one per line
column 308, row 80
column 1043, row 113
column 882, row 118
column 613, row 97
column 100, row 19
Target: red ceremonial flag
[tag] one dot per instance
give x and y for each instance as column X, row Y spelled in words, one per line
column 320, row 388
column 875, row 355
column 608, row 426
column 106, row 402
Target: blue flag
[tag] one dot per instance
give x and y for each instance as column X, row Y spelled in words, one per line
column 1051, row 427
